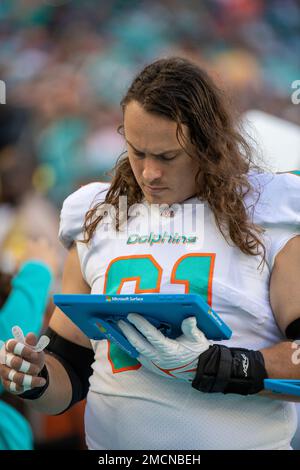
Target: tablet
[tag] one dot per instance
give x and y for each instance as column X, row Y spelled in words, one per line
column 283, row 386
column 97, row 315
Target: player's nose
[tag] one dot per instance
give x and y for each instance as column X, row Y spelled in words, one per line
column 152, row 171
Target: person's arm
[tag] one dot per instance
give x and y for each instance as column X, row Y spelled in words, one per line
column 27, row 301
column 279, row 359
column 58, row 395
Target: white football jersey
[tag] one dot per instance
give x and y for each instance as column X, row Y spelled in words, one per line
column 129, row 407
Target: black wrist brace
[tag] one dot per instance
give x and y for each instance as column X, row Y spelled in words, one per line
column 230, row 370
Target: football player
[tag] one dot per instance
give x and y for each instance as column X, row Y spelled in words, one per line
column 184, row 152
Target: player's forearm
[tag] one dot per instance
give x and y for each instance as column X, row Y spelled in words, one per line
column 282, row 361
column 58, row 395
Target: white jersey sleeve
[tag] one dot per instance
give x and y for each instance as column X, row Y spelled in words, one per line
column 74, row 209
column 277, row 210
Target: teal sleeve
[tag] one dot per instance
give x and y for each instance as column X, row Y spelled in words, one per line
column 15, row 432
column 24, row 307
column 27, row 301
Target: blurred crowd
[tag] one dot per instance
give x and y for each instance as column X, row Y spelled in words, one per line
column 66, row 65
column 68, row 62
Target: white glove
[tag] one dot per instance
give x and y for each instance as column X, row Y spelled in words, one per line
column 175, row 358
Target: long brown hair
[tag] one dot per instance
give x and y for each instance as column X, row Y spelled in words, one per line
column 182, row 92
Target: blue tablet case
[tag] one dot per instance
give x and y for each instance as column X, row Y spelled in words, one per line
column 97, row 315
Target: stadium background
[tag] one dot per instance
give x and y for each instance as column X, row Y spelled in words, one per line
column 66, row 65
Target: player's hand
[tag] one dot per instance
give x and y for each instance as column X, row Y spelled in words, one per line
column 21, row 360
column 177, row 358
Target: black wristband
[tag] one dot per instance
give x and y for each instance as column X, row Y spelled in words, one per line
column 230, row 370
column 37, row 392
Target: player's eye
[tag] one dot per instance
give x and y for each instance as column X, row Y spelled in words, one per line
column 167, row 159
column 139, row 154
column 163, row 158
